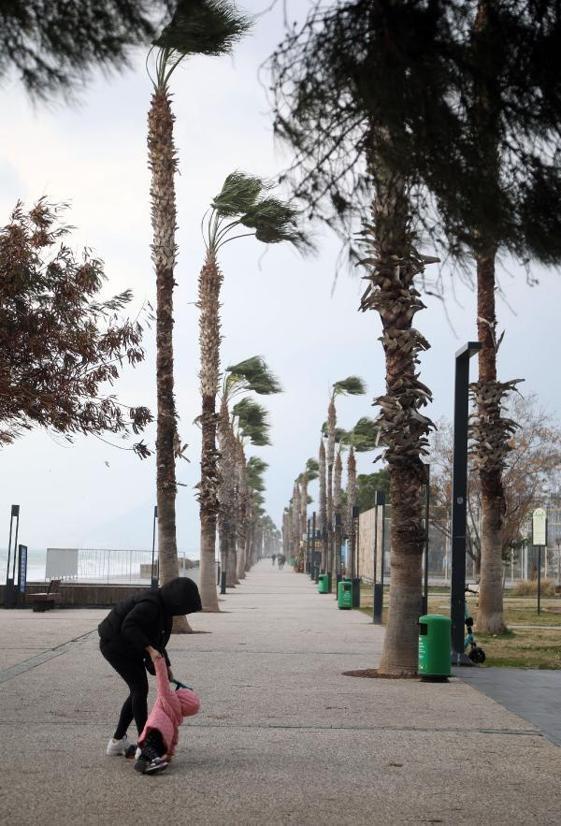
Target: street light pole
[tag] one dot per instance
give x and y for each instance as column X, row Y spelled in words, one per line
column 154, row 573
column 459, row 499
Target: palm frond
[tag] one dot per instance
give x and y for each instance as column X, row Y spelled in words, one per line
column 351, row 386
column 254, row 469
column 312, row 469
column 275, row 221
column 238, row 194
column 257, row 465
column 364, row 435
column 207, row 27
column 252, row 421
column 253, row 374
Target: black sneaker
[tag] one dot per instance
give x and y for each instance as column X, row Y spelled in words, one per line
column 150, row 761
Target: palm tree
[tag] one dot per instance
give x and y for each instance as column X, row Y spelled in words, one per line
column 322, row 506
column 311, row 473
column 209, row 27
column 351, row 494
column 351, row 386
column 243, row 208
column 250, row 375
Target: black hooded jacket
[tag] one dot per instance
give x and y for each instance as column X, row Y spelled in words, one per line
column 147, row 618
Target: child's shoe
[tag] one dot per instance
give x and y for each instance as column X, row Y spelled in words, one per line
column 117, row 747
column 150, row 761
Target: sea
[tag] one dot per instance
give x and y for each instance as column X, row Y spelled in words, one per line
column 95, row 565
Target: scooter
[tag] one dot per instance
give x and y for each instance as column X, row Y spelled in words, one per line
column 475, row 652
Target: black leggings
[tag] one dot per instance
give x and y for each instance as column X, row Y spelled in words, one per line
column 133, row 672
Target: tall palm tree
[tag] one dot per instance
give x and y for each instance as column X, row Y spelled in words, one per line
column 322, row 506
column 351, row 81
column 208, row 27
column 311, row 473
column 351, row 494
column 337, row 504
column 250, row 375
column 351, row 386
column 243, row 208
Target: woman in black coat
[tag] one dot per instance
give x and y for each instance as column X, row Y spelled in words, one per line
column 133, row 635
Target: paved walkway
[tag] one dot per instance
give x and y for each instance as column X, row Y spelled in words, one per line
column 534, row 694
column 283, row 736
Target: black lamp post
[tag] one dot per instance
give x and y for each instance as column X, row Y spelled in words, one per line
column 154, row 572
column 378, row 594
column 459, row 497
column 10, row 592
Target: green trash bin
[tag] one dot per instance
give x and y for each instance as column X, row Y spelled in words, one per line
column 345, row 594
column 434, row 647
column 323, row 584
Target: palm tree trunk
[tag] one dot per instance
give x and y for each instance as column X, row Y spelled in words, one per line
column 351, row 502
column 331, row 425
column 226, row 494
column 488, row 394
column 210, row 281
column 491, row 436
column 163, row 163
column 337, row 499
column 322, row 507
column 393, row 265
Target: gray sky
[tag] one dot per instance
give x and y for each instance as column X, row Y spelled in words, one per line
column 93, row 156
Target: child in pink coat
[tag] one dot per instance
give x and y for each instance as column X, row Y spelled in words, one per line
column 158, row 740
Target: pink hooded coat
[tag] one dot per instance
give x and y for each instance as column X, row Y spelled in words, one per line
column 169, row 709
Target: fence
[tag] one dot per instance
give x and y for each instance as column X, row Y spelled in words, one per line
column 108, row 565
column 521, row 565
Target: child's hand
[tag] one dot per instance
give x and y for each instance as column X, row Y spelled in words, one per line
column 154, row 653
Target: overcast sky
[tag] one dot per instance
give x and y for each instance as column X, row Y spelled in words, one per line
column 93, row 156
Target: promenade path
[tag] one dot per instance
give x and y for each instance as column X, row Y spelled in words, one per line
column 283, row 736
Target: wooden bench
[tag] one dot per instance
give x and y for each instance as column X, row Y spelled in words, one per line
column 45, row 600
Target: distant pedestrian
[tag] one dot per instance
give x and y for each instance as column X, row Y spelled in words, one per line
column 281, row 561
column 274, row 556
column 133, row 637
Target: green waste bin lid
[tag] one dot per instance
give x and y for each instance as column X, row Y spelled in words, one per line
column 434, row 618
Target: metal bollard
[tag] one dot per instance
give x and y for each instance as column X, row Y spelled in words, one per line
column 223, row 582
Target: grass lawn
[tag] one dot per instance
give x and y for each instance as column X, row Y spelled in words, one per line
column 520, row 647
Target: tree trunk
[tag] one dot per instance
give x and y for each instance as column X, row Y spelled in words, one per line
column 322, row 507
column 490, row 615
column 163, row 164
column 393, row 265
column 337, row 500
column 491, row 437
column 210, row 280
column 331, row 425
column 351, row 503
column 208, row 500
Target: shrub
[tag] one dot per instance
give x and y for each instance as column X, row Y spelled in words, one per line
column 529, row 588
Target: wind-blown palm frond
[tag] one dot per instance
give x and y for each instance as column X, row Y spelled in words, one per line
column 252, row 421
column 252, row 374
column 208, row 27
column 364, row 435
column 254, row 470
column 312, row 469
column 238, row 194
column 244, row 202
column 351, row 386
column 274, row 221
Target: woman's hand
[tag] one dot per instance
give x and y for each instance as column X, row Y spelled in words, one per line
column 153, row 653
